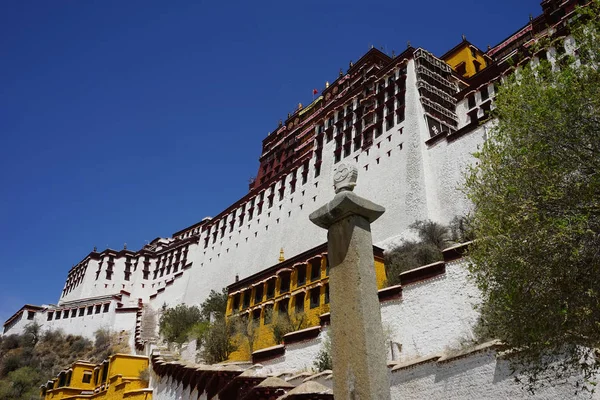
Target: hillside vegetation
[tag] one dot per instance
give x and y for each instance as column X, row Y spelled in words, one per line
column 30, row 359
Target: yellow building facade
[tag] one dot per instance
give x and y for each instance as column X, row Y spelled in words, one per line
column 296, row 289
column 466, row 59
column 119, row 377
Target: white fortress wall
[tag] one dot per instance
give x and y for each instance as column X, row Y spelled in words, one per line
column 391, row 173
column 473, row 376
column 433, row 315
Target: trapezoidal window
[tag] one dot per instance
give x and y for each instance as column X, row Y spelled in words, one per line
column 315, row 297
column 301, row 275
column 268, row 314
column 284, row 283
column 283, row 306
column 271, row 288
column 299, row 308
column 236, row 302
column 258, row 293
column 315, row 269
column 246, row 302
column 87, row 377
column 256, row 316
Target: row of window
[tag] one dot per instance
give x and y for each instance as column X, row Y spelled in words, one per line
column 283, row 282
column 77, row 312
column 283, row 306
column 254, row 207
column 74, row 278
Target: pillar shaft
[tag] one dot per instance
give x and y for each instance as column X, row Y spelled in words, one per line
column 357, row 342
column 358, row 350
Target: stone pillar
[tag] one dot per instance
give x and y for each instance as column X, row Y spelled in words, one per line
column 358, row 348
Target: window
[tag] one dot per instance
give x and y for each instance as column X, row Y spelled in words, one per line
column 65, row 314
column 400, row 114
column 299, row 303
column 81, row 311
column 315, row 295
column 104, row 370
column 471, row 101
column 73, row 313
column 485, row 94
column 268, row 314
column 98, row 306
column 283, row 306
column 87, row 377
column 301, row 275
column 30, row 315
column 90, row 310
column 326, row 266
column 258, row 293
column 246, row 294
column 477, row 65
column 271, row 288
column 236, row 302
column 284, row 283
column 256, row 315
column 315, row 269
column 50, row 314
column 62, row 379
column 106, row 307
column 327, row 293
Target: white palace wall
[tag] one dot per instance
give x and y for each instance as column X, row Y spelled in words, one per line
column 391, row 173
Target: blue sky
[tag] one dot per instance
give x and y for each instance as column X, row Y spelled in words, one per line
column 121, row 121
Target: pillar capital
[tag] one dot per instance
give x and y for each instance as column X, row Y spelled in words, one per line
column 343, row 205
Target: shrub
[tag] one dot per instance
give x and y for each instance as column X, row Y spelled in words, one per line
column 410, row 254
column 283, row 324
column 218, row 342
column 175, row 323
column 324, row 361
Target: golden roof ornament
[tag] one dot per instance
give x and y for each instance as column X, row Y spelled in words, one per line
column 281, row 256
column 327, row 83
column 299, row 106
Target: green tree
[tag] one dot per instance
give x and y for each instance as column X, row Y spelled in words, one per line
column 175, row 323
column 215, row 304
column 24, row 381
column 218, row 342
column 536, row 192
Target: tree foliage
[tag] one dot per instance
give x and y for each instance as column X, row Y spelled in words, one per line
column 176, row 323
column 215, row 304
column 536, row 192
column 218, row 341
column 205, row 324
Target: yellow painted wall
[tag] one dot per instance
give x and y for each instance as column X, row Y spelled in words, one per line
column 122, row 381
column 464, row 54
column 264, row 335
